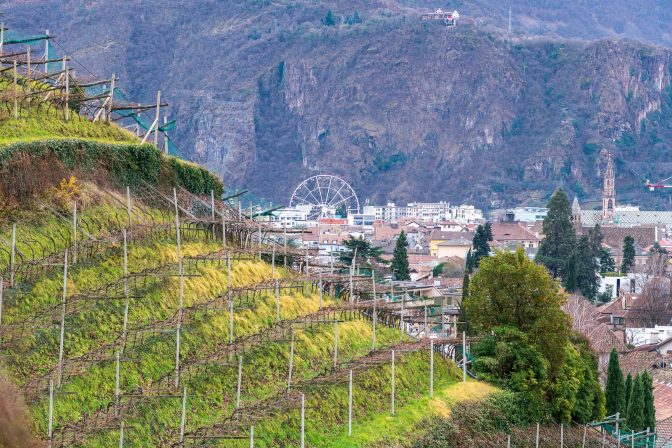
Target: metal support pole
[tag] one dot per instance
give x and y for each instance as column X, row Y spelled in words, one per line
column 431, row 368
column 50, row 435
column 62, row 339
column 117, row 389
column 240, row 380
column 508, row 441
column 273, row 262
column 291, row 364
column 177, row 230
column 184, row 415
column 401, row 316
column 632, row 439
column 260, row 239
column 2, row 38
column 350, row 405
column 392, row 382
column 352, row 293
column 16, row 92
column 67, row 92
column 284, row 242
column 121, row 434
column 303, row 421
column 111, row 99
column 464, row 357
column 12, row 261
column 251, row 436
column 335, row 344
column 223, row 232
column 618, row 430
column 212, row 209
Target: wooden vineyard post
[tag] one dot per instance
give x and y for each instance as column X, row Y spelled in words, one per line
column 251, row 436
column 375, row 311
column 431, row 368
column 2, row 38
column 66, row 108
column 585, row 430
column 212, row 209
column 74, row 233
column 60, row 347
column 111, row 99
column 508, row 441
column 273, row 262
column 2, row 288
column 319, row 284
column 291, row 364
column 184, row 416
column 179, row 328
column 303, row 421
column 350, row 405
column 401, row 317
column 223, row 232
column 536, row 443
column 426, row 329
column 351, row 299
column 12, row 260
column 50, row 424
column 177, row 230
column 562, row 435
column 46, row 51
column 128, row 205
column 156, row 121
column 16, row 92
column 121, row 434
column 28, row 74
column 117, row 389
column 464, row 357
column 124, row 332
column 284, row 242
column 277, row 301
column 240, row 210
column 240, row 380
column 335, row 344
column 392, row 382
column 260, row 240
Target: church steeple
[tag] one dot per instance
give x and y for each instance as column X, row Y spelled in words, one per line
column 576, row 212
column 609, row 192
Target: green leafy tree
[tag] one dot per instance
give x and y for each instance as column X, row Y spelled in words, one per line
column 658, row 249
column 481, row 243
column 559, row 235
column 628, row 392
column 400, row 267
column 571, row 274
column 330, row 19
column 511, row 290
column 607, row 263
column 628, row 254
column 635, row 415
column 354, row 18
column 615, row 388
column 342, row 210
column 366, row 252
column 649, row 408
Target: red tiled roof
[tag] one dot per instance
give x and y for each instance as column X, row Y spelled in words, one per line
column 662, row 400
column 512, row 231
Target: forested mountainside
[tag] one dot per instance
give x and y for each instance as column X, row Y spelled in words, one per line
column 266, row 93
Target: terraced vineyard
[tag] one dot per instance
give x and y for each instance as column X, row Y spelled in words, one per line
column 129, row 323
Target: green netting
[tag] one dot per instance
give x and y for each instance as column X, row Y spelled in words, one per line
column 13, row 37
column 641, row 442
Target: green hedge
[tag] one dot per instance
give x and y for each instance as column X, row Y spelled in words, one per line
column 124, row 164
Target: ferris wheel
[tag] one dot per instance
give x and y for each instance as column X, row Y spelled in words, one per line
column 325, row 194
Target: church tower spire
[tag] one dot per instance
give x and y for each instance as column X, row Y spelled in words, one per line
column 609, row 192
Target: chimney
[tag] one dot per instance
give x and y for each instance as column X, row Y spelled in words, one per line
column 623, row 302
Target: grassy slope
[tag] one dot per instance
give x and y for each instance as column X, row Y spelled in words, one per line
column 42, row 123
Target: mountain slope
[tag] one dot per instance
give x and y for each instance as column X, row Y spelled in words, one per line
column 266, row 95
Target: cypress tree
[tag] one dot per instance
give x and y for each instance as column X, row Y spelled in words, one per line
column 400, row 266
column 559, row 236
column 571, row 274
column 470, row 261
column 649, row 409
column 635, row 418
column 628, row 390
column 465, row 286
column 628, row 254
column 615, row 389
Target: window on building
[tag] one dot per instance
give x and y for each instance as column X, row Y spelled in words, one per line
column 617, row 320
column 632, row 286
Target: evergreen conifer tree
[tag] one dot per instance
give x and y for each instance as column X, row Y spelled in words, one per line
column 649, row 409
column 559, row 236
column 628, row 392
column 571, row 275
column 400, row 266
column 587, row 267
column 330, row 19
column 470, row 262
column 635, row 415
column 481, row 243
column 615, row 389
column 465, row 286
column 628, row 254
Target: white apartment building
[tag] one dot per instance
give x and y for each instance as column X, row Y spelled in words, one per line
column 424, row 211
column 292, row 218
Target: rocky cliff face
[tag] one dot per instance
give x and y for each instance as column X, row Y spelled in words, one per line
column 404, row 109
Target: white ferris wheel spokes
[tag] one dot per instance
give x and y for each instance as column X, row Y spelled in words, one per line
column 325, row 194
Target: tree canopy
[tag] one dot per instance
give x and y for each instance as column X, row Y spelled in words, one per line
column 366, row 252
column 481, row 243
column 628, row 254
column 615, row 388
